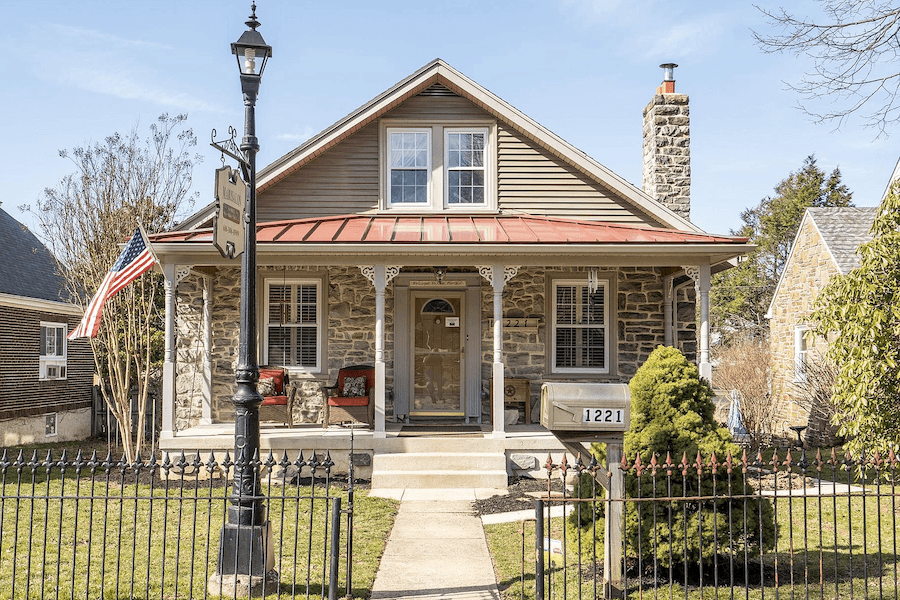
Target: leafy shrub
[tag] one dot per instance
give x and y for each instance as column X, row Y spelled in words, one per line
column 672, row 415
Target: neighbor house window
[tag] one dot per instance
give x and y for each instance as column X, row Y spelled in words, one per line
column 800, row 353
column 53, row 350
column 409, row 163
column 580, row 327
column 465, row 166
column 293, row 329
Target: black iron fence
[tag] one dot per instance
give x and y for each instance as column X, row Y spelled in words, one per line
column 103, row 527
column 768, row 527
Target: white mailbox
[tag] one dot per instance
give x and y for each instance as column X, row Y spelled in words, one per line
column 589, row 407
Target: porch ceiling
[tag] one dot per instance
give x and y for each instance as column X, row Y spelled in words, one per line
column 529, row 239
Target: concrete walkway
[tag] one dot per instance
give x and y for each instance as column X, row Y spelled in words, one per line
column 436, row 549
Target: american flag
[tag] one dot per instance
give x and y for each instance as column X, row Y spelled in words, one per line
column 135, row 259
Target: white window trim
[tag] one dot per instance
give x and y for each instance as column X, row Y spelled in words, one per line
column 437, row 173
column 602, row 283
column 320, row 320
column 801, row 353
column 488, row 173
column 54, row 360
column 55, row 418
column 410, row 206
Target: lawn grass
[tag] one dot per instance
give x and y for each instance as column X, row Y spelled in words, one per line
column 112, row 536
column 847, row 547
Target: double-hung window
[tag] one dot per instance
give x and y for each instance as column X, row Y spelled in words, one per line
column 409, row 160
column 53, row 351
column 438, row 168
column 465, row 166
column 580, row 327
column 294, row 323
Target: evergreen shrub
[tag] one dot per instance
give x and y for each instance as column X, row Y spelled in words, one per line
column 672, row 415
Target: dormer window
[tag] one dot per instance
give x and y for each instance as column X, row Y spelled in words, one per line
column 410, row 166
column 465, row 166
column 438, row 168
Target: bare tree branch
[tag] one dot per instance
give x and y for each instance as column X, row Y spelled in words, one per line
column 117, row 184
column 854, row 48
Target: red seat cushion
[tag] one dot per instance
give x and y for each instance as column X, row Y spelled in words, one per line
column 348, row 401
column 277, row 375
column 275, row 401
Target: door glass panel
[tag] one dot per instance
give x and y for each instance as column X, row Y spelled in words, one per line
column 437, row 355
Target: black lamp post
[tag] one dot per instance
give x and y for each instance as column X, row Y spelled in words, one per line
column 246, row 547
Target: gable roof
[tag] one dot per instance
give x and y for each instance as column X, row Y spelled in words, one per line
column 842, row 230
column 439, row 72
column 27, row 268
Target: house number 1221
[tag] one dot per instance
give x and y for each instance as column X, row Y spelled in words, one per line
column 602, row 415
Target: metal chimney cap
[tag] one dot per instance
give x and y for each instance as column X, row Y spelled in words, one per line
column 669, row 71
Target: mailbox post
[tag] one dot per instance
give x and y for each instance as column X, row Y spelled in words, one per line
column 579, row 413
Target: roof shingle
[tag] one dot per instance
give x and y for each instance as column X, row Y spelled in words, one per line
column 27, row 268
column 843, row 229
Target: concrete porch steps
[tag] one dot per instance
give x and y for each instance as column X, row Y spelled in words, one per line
column 439, row 470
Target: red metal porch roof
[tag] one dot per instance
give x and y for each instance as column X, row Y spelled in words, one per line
column 454, row 229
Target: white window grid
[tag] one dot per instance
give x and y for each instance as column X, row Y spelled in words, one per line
column 465, row 167
column 409, row 167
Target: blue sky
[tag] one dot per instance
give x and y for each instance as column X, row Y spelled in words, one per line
column 77, row 72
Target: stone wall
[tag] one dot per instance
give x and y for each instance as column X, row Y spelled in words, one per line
column 350, row 340
column 807, row 272
column 667, row 152
column 637, row 313
column 191, row 366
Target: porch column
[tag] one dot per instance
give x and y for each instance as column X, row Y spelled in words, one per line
column 668, row 310
column 497, row 276
column 701, row 276
column 380, row 276
column 206, row 414
column 168, row 392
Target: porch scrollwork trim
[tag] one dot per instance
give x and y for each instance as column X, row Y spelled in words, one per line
column 508, row 273
column 390, row 271
column 694, row 274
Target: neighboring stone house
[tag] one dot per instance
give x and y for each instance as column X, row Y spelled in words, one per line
column 45, row 379
column 447, row 239
column 826, row 245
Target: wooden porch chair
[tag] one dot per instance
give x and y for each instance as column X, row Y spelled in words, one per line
column 343, row 400
column 278, row 395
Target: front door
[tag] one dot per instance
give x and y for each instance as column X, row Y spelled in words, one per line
column 438, row 354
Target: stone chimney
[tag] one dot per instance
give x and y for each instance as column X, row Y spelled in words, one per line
column 667, row 147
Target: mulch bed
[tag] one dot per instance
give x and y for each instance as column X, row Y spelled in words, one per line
column 517, row 498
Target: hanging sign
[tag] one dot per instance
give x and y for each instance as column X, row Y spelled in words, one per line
column 231, row 202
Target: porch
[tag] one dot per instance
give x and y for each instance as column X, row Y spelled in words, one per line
column 520, row 298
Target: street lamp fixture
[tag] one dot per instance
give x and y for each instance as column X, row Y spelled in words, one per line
column 246, row 552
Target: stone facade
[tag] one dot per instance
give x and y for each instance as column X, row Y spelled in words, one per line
column 667, row 152
column 637, row 314
column 191, row 367
column 807, row 272
column 350, row 340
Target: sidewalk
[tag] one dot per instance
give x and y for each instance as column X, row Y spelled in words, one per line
column 436, row 550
